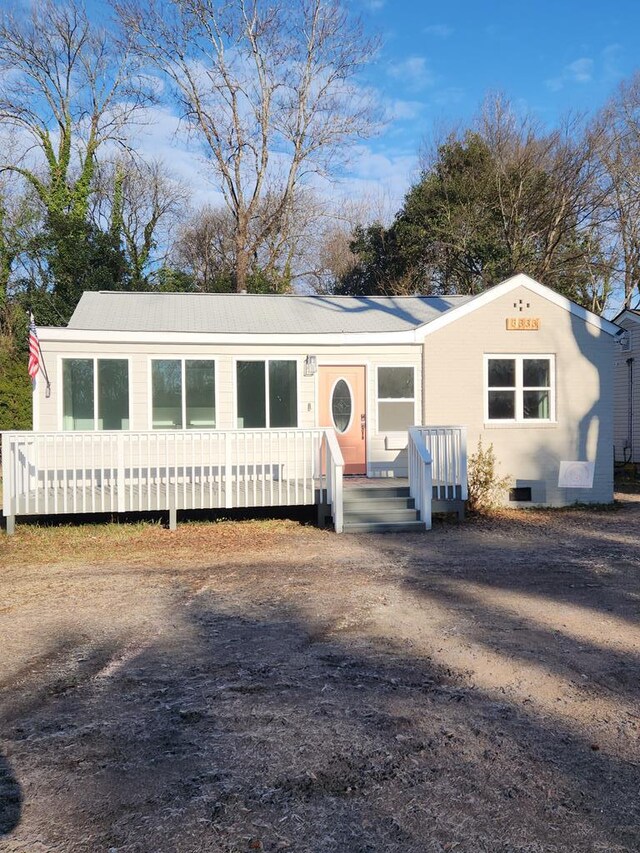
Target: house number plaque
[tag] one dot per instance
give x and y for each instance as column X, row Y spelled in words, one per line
column 523, row 324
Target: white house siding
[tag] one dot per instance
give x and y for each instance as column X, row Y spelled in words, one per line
column 530, row 454
column 621, row 394
column 381, row 461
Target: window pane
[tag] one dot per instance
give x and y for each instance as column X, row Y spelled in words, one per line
column 536, row 404
column 166, row 381
column 283, row 396
column 502, row 405
column 341, row 405
column 395, row 382
column 251, row 394
column 395, row 417
column 535, row 373
column 113, row 393
column 77, row 382
column 502, row 373
column 200, row 391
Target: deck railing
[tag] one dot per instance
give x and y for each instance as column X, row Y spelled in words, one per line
column 334, row 470
column 420, row 475
column 437, row 467
column 93, row 472
column 448, row 448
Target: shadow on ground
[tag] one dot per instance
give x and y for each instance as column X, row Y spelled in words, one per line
column 242, row 732
column 10, row 798
column 268, row 720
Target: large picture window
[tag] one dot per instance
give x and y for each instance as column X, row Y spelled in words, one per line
column 183, row 394
column 519, row 388
column 396, row 399
column 95, row 393
column 266, row 394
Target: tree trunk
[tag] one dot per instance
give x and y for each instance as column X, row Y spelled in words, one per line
column 242, row 260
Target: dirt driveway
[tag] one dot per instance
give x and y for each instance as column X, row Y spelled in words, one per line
column 267, row 686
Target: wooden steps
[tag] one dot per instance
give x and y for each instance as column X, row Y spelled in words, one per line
column 380, row 509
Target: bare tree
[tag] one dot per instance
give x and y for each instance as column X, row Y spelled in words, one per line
column 550, row 201
column 617, row 135
column 270, row 90
column 329, row 253
column 310, row 252
column 19, row 214
column 142, row 204
column 204, row 247
column 66, row 88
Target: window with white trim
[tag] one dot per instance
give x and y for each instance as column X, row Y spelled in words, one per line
column 183, row 393
column 266, row 394
column 95, row 393
column 519, row 388
column 396, row 398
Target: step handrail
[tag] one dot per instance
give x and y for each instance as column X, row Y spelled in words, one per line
column 334, row 475
column 420, row 475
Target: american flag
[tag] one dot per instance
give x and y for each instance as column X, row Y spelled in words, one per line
column 34, row 349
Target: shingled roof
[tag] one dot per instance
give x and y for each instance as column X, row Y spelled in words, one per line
column 255, row 314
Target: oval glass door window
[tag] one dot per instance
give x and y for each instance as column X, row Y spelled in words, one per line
column 341, row 405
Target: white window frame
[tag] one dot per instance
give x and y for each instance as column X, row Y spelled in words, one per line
column 379, row 399
column 95, row 359
column 519, row 388
column 267, row 402
column 183, row 359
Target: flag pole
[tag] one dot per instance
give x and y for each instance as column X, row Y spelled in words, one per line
column 43, row 367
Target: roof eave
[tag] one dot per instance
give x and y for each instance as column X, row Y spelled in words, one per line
column 65, row 334
column 516, row 281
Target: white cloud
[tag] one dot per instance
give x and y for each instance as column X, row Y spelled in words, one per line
column 385, row 174
column 401, row 110
column 161, row 137
column 413, row 72
column 441, row 31
column 581, row 70
column 578, row 71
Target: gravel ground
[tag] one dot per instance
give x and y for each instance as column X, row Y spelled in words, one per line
column 269, row 686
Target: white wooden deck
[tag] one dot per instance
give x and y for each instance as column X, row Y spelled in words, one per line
column 170, row 470
column 119, row 472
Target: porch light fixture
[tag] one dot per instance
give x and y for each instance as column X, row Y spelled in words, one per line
column 310, row 365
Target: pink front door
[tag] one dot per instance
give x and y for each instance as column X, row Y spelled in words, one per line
column 342, row 406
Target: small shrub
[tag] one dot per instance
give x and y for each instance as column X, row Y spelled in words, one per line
column 485, row 487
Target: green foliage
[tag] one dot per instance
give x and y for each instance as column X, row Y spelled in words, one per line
column 486, row 488
column 265, row 281
column 15, row 386
column 170, row 280
column 480, row 213
column 381, row 264
column 77, row 256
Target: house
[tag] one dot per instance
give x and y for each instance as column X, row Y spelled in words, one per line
column 175, row 377
column 626, row 422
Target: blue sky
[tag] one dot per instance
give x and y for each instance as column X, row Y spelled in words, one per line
column 437, row 62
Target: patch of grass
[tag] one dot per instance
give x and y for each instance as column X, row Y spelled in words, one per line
column 143, row 542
